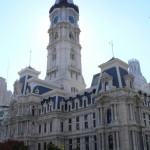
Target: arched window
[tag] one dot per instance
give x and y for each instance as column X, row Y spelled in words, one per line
column 109, row 116
column 110, row 142
column 106, row 86
column 72, row 54
column 54, row 55
column 71, row 35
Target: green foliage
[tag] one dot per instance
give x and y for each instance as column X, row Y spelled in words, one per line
column 13, row 145
column 51, row 146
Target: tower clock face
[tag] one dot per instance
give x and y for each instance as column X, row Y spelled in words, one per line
column 71, row 20
column 55, row 20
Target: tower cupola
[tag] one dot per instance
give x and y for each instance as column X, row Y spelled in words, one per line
column 64, row 3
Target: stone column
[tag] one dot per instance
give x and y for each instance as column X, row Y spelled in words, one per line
column 131, row 112
column 97, row 115
column 114, row 140
column 17, row 128
column 115, row 111
column 134, row 142
column 117, row 139
column 82, row 145
column 112, row 112
column 21, row 128
column 99, row 142
column 101, row 115
column 27, row 127
column 102, row 136
column 91, row 142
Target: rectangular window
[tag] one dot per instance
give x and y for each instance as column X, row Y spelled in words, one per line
column 70, row 124
column 95, row 142
column 76, row 76
column 77, row 119
column 94, row 115
column 39, row 128
column 86, row 117
column 48, row 107
column 94, row 123
column 70, row 144
column 39, row 146
column 76, row 105
column 51, row 126
column 61, row 126
column 78, row 143
column 86, row 125
column 144, row 116
column 77, row 126
column 39, row 111
column 87, row 143
column 84, row 103
column 86, row 121
column 44, row 110
column 69, row 108
column 70, row 127
column 44, row 127
column 44, row 146
column 70, row 120
column 77, row 123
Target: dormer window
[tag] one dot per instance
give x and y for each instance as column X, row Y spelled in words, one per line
column 33, row 111
column 84, row 103
column 50, row 108
column 77, row 105
column 129, row 81
column 69, row 107
column 107, row 86
column 107, row 82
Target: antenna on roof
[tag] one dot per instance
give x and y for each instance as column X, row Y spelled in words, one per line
column 112, row 47
column 30, row 59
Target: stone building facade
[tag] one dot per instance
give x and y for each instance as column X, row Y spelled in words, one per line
column 110, row 115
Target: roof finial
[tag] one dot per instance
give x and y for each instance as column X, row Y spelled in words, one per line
column 112, row 47
column 30, row 59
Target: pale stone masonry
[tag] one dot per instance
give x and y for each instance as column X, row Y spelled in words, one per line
column 113, row 114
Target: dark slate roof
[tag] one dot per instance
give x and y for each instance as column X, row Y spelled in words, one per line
column 95, row 79
column 66, row 4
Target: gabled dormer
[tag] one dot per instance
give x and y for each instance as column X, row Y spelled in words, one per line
column 114, row 74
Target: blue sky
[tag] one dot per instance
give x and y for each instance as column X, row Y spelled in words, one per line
column 24, row 25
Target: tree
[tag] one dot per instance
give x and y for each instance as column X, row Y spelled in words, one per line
column 13, row 145
column 51, row 146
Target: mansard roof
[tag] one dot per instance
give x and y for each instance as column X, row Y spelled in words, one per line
column 64, row 3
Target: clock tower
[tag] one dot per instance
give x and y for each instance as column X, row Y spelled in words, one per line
column 64, row 49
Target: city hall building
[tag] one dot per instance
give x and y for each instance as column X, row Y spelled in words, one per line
column 113, row 114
